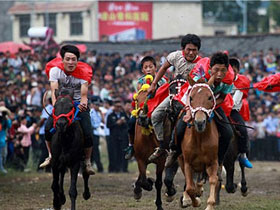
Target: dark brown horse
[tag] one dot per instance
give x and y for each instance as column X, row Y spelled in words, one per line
column 200, row 144
column 145, row 143
column 67, row 150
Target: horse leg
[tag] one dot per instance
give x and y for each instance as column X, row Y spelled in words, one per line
column 230, row 185
column 243, row 181
column 168, row 181
column 213, row 180
column 190, row 186
column 86, row 194
column 219, row 185
column 61, row 190
column 73, row 186
column 158, row 185
column 55, row 189
column 142, row 176
column 199, row 185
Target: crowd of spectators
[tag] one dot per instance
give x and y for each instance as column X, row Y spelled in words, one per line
column 23, row 83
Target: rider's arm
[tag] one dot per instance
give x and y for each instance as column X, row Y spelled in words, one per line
column 161, row 72
column 237, row 99
column 84, row 99
column 54, row 86
column 159, row 75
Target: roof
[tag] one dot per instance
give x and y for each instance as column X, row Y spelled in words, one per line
column 42, row 7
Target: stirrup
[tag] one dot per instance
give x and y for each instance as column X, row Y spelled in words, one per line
column 45, row 163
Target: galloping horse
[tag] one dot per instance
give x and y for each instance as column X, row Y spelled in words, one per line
column 200, row 143
column 145, row 143
column 67, row 150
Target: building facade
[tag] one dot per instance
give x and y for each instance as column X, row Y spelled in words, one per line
column 103, row 20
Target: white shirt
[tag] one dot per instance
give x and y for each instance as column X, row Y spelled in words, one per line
column 67, row 82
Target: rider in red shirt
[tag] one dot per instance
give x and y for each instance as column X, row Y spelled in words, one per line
column 240, row 111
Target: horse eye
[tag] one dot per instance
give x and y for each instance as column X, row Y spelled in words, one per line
column 210, row 98
column 190, row 98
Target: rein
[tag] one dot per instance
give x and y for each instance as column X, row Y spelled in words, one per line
column 200, row 108
column 231, row 123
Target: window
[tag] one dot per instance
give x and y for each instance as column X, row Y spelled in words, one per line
column 24, row 25
column 76, row 23
column 51, row 22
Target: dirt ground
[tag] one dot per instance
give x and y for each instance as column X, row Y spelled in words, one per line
column 31, row 191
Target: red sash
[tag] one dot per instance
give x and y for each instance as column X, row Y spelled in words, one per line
column 82, row 71
column 244, row 111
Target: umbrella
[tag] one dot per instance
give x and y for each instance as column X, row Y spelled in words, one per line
column 13, row 47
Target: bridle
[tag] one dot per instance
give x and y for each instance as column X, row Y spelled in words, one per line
column 200, row 108
column 70, row 115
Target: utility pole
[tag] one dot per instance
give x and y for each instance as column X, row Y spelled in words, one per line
column 243, row 5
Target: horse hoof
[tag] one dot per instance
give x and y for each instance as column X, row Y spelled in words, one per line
column 244, row 192
column 209, row 207
column 159, row 208
column 184, row 202
column 137, row 196
column 86, row 195
column 197, row 202
column 169, row 198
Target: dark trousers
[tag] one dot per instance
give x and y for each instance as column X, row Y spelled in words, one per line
column 85, row 125
column 131, row 126
column 25, row 155
column 95, row 155
column 225, row 133
column 119, row 164
column 110, row 151
column 243, row 144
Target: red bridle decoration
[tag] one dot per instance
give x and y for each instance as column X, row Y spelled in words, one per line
column 69, row 115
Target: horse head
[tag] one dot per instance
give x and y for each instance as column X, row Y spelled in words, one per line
column 63, row 112
column 201, row 102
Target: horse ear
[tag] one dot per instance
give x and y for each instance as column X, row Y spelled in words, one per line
column 56, row 93
column 190, row 80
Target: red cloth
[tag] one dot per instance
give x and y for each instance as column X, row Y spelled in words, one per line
column 227, row 104
column 204, row 64
column 242, row 82
column 272, row 82
column 245, row 111
column 82, row 71
column 161, row 93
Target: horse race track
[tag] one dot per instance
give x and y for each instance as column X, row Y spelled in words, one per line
column 31, row 191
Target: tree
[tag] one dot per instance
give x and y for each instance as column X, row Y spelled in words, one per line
column 229, row 11
column 274, row 11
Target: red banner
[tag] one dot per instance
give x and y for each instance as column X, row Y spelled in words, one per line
column 125, row 21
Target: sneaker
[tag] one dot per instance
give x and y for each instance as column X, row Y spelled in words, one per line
column 45, row 163
column 171, row 158
column 245, row 162
column 157, row 153
column 129, row 152
column 89, row 169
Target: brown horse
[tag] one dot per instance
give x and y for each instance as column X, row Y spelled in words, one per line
column 200, row 144
column 145, row 143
